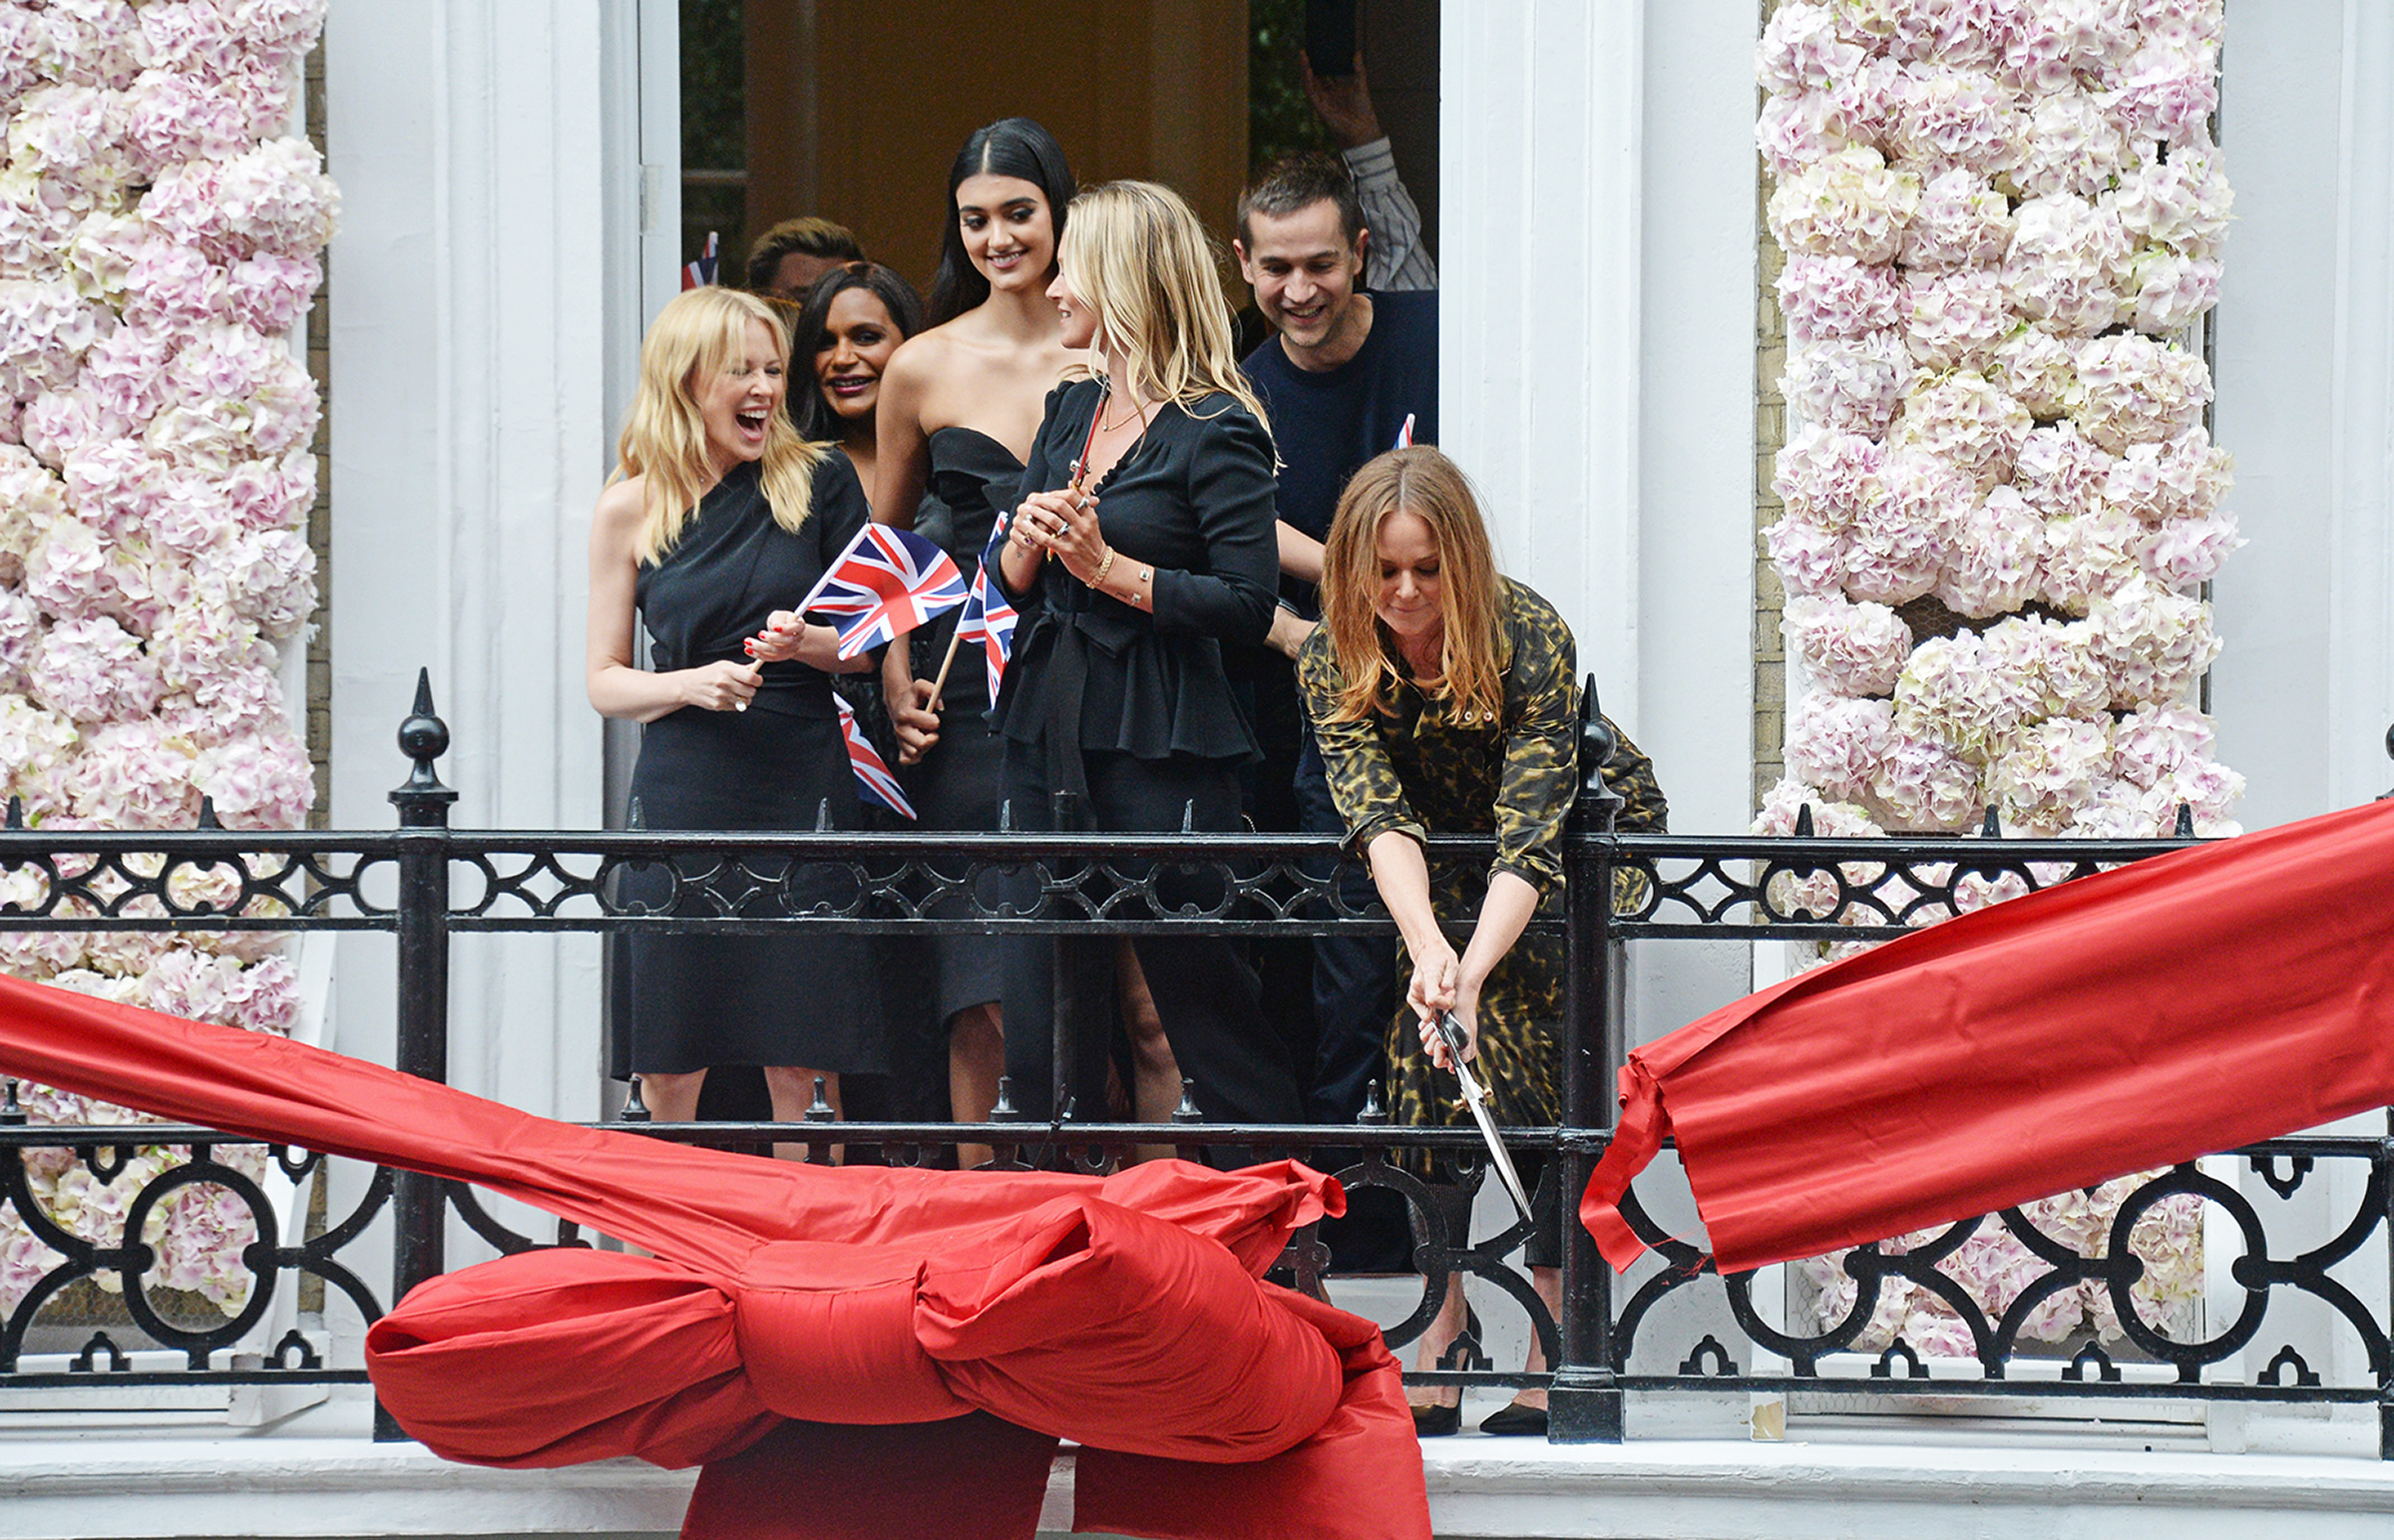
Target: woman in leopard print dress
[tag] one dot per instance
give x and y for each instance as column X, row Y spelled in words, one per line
column 1446, row 700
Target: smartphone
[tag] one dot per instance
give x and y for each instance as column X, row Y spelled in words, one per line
column 1329, row 36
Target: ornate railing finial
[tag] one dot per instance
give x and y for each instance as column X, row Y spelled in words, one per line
column 423, row 802
column 1597, row 804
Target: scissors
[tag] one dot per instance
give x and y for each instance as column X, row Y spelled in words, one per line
column 1476, row 1096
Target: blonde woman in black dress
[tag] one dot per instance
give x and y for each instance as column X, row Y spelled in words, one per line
column 721, row 518
column 1145, row 540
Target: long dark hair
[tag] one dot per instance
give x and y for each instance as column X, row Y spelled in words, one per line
column 1011, row 146
column 816, row 419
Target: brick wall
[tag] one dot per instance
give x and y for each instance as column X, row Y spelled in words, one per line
column 1769, row 432
column 319, row 518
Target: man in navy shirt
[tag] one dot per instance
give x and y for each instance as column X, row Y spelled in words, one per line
column 1351, row 374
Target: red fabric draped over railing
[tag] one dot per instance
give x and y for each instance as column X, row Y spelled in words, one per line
column 838, row 1344
column 2188, row 1004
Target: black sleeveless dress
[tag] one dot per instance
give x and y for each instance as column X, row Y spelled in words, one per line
column 975, row 479
column 795, row 997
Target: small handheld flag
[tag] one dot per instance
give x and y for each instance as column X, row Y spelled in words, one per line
column 873, row 783
column 1404, row 435
column 989, row 621
column 700, row 273
column 887, row 583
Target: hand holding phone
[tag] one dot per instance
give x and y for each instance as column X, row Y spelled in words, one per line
column 1330, row 45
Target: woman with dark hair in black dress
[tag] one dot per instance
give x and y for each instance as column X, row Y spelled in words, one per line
column 851, row 322
column 958, row 405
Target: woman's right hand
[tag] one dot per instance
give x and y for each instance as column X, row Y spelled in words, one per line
column 915, row 722
column 1437, row 980
column 722, row 686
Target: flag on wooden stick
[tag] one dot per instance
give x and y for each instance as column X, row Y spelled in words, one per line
column 874, row 782
column 887, row 583
column 988, row 622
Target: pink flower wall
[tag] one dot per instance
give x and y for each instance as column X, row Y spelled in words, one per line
column 2001, row 220
column 160, row 238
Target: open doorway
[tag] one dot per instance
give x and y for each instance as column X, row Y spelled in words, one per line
column 853, row 109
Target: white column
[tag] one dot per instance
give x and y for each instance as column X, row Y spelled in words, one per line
column 1597, row 357
column 2360, row 696
column 470, row 438
column 1597, row 374
column 1539, row 169
column 2300, row 692
column 1596, row 379
column 1696, row 422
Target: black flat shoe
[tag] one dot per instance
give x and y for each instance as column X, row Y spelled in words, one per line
column 1515, row 1419
column 1437, row 1422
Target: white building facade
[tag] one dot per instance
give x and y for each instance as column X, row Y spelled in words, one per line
column 509, row 171
column 509, row 177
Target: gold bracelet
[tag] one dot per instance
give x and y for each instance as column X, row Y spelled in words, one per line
column 1097, row 578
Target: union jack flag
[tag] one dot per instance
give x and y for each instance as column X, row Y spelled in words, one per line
column 873, row 783
column 989, row 621
column 700, row 273
column 887, row 583
column 1404, row 435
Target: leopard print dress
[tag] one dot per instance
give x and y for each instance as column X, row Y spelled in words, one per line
column 1422, row 770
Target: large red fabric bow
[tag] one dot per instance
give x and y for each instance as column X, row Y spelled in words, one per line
column 851, row 1351
column 2138, row 1018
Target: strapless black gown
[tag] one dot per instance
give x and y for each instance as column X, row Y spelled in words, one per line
column 974, row 479
column 798, row 996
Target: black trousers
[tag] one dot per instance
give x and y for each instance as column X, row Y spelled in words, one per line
column 1205, row 992
column 1356, row 988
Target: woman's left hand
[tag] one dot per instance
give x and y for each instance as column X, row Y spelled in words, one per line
column 1466, row 1013
column 1065, row 523
column 780, row 641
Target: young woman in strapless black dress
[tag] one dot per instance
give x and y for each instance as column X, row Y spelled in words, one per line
column 721, row 516
column 960, row 405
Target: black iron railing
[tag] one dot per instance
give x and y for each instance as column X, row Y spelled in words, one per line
column 425, row 881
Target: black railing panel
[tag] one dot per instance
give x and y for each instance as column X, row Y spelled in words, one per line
column 2301, row 1298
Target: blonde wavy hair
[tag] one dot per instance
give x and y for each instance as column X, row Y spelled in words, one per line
column 699, row 334
column 1137, row 257
column 1422, row 481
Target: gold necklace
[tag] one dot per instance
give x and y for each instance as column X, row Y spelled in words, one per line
column 1136, row 410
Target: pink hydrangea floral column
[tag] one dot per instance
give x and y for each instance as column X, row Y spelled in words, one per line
column 160, row 238
column 2000, row 219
